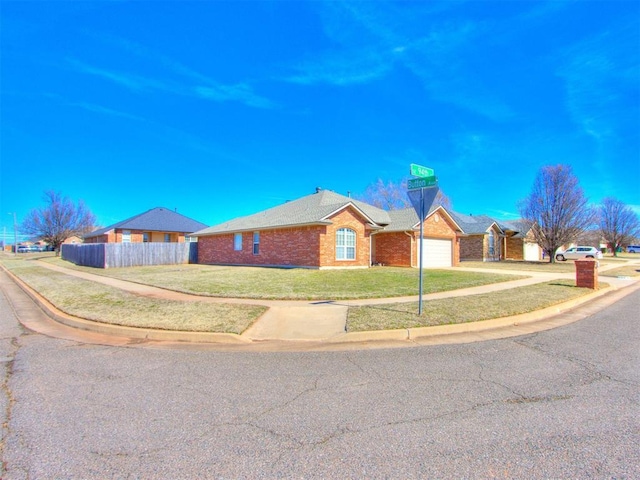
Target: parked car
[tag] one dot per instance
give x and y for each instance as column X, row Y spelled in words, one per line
column 574, row 253
column 24, row 248
column 633, row 249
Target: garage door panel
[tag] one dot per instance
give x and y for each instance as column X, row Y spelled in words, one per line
column 437, row 253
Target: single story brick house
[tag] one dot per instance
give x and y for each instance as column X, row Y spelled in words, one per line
column 155, row 225
column 321, row 230
column 482, row 239
column 518, row 243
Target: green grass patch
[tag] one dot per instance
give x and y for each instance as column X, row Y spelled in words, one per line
column 470, row 308
column 626, row 271
column 94, row 301
column 295, row 283
column 546, row 267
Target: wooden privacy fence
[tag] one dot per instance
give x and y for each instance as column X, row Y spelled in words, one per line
column 113, row 255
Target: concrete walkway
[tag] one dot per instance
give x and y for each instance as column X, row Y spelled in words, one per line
column 326, row 320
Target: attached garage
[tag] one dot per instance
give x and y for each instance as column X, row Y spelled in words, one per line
column 437, row 253
column 532, row 252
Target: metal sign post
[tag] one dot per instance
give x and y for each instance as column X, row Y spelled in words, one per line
column 427, row 184
column 421, row 251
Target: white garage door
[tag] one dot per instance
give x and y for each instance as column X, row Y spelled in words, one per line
column 437, row 253
column 531, row 252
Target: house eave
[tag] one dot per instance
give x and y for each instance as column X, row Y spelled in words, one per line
column 261, row 228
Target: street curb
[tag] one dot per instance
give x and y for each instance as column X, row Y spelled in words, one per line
column 514, row 321
column 404, row 335
column 120, row 330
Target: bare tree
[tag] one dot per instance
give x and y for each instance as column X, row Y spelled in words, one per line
column 557, row 208
column 58, row 220
column 618, row 224
column 393, row 196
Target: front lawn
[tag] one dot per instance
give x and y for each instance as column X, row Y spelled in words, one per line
column 98, row 302
column 295, row 283
column 470, row 308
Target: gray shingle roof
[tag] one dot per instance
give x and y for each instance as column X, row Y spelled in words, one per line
column 407, row 219
column 474, row 224
column 312, row 209
column 522, row 227
column 157, row 219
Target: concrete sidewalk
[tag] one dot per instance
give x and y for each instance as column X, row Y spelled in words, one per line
column 313, row 321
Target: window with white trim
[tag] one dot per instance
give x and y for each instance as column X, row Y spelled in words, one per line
column 492, row 243
column 126, row 236
column 345, row 244
column 237, row 242
column 256, row 243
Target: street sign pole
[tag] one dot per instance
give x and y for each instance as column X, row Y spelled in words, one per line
column 421, row 251
column 426, row 180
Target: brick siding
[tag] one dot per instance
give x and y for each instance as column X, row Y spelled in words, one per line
column 476, row 247
column 311, row 246
column 587, row 273
column 400, row 249
column 394, row 249
column 514, row 248
column 137, row 236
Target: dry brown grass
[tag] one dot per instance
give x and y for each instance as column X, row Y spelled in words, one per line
column 471, row 308
column 94, row 301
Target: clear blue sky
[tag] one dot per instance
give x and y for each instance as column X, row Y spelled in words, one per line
column 222, row 109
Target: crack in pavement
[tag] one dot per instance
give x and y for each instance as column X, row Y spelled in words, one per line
column 589, row 367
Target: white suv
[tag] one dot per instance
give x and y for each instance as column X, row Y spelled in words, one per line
column 574, row 253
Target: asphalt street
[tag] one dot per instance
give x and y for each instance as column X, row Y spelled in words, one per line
column 562, row 403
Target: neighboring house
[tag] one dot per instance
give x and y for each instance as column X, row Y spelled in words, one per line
column 322, row 230
column 481, row 239
column 155, row 225
column 73, row 240
column 518, row 242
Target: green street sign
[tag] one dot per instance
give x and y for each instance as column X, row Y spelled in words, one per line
column 420, row 171
column 415, row 183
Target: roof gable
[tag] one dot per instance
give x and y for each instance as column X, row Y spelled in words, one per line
column 407, row 219
column 157, row 219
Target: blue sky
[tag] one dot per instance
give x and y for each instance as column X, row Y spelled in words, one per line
column 222, row 109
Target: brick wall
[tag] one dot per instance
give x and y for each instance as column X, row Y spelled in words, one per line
column 312, row 246
column 587, row 273
column 347, row 218
column 514, row 248
column 400, row 249
column 286, row 247
column 472, row 248
column 476, row 247
column 393, row 248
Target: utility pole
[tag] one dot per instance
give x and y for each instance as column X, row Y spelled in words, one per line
column 15, row 234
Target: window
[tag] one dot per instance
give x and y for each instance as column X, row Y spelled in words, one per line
column 345, row 244
column 145, row 237
column 256, row 243
column 126, row 236
column 492, row 243
column 237, row 242
column 167, row 237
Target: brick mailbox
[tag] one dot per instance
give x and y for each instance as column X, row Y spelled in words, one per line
column 587, row 273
